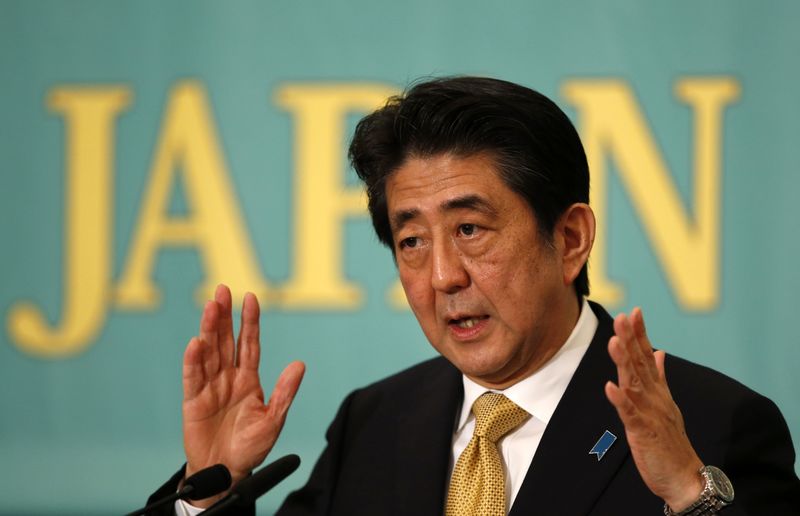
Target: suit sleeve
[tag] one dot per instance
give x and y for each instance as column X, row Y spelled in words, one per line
column 170, row 486
column 316, row 497
column 760, row 461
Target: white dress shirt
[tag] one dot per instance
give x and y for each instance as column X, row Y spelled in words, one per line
column 538, row 395
column 183, row 508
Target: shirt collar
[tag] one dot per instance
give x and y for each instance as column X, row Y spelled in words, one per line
column 540, row 393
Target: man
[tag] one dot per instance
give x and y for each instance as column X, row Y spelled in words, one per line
column 480, row 189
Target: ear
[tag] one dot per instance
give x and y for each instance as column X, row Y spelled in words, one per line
column 576, row 228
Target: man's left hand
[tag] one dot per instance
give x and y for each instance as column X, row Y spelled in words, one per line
column 653, row 423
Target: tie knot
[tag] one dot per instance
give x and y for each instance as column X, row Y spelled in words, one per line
column 496, row 415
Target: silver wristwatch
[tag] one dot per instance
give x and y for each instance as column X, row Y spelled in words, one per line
column 717, row 493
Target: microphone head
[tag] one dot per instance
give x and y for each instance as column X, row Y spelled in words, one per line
column 266, row 478
column 207, row 482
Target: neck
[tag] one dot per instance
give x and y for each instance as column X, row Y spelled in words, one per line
column 554, row 336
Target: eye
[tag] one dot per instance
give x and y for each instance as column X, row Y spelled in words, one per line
column 409, row 242
column 467, row 229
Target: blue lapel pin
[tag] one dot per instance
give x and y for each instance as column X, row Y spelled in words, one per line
column 603, row 444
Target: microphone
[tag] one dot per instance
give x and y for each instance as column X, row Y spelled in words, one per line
column 246, row 491
column 206, row 482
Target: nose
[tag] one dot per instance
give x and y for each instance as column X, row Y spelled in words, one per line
column 448, row 273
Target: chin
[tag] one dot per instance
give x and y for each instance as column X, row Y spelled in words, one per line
column 491, row 371
column 477, row 359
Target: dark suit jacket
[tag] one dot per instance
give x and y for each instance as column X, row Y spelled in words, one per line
column 389, row 446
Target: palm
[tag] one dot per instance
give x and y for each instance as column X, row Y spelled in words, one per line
column 654, row 428
column 225, row 419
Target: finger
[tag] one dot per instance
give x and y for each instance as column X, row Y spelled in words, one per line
column 626, row 409
column 646, row 347
column 285, row 390
column 640, row 361
column 248, row 348
column 637, row 321
column 624, row 330
column 620, row 352
column 194, row 377
column 225, row 326
column 634, row 379
column 659, row 357
column 208, row 336
column 630, row 382
column 619, row 356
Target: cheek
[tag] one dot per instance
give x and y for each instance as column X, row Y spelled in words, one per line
column 495, row 269
column 418, row 292
column 422, row 302
column 513, row 276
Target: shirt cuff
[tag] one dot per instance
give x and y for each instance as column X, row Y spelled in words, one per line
column 183, row 508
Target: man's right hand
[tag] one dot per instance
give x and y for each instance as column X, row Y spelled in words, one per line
column 225, row 419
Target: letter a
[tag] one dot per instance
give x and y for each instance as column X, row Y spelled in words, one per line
column 188, row 143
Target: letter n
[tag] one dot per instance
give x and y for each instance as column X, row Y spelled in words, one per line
column 686, row 241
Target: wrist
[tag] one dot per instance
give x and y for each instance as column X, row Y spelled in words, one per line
column 689, row 491
column 717, row 493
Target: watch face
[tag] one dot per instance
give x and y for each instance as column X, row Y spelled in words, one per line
column 721, row 484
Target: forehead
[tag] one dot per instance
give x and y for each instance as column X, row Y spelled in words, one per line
column 447, row 182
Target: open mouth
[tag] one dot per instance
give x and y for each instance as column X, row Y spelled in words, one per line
column 468, row 322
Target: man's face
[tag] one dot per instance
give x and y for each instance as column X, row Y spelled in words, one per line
column 487, row 289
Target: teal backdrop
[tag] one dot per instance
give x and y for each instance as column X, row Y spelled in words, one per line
column 228, row 120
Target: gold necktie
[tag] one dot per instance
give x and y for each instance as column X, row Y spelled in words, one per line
column 477, row 486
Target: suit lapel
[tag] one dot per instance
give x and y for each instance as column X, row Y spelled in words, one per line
column 563, row 477
column 424, row 434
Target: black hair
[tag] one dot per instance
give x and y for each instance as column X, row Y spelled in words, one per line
column 534, row 145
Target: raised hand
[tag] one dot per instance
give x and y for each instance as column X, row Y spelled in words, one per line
column 653, row 423
column 225, row 419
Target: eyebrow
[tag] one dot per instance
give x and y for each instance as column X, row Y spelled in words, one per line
column 466, row 202
column 469, row 202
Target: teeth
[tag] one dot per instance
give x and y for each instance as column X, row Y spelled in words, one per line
column 467, row 323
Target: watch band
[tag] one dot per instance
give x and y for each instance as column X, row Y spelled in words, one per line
column 716, row 494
